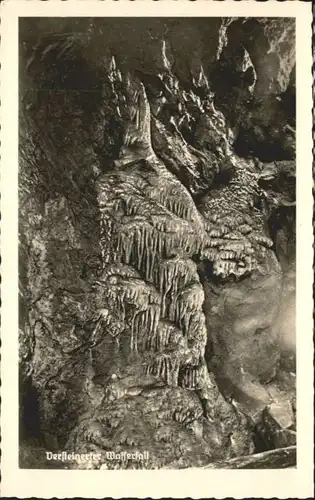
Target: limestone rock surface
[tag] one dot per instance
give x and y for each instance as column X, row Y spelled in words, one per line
column 157, row 226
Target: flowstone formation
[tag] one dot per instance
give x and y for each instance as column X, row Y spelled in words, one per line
column 157, row 264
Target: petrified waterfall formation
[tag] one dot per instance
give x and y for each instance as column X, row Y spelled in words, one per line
column 157, row 192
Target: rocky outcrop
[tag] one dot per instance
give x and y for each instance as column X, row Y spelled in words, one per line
column 154, row 255
column 254, row 84
column 282, row 458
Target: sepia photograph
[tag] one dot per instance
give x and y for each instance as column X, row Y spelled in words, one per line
column 159, row 243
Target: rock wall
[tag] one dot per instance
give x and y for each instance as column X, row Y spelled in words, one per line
column 157, row 223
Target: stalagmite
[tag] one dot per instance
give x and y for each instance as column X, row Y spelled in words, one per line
column 119, row 76
column 138, row 122
column 132, row 333
column 127, row 138
column 112, row 64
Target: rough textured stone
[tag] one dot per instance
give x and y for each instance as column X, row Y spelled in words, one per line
column 157, row 268
column 281, row 413
column 276, row 425
column 256, row 71
column 282, row 458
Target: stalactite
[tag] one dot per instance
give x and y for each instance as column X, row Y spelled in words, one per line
column 189, row 377
column 138, row 327
column 166, row 367
column 226, row 255
column 161, row 339
column 175, row 199
column 168, row 335
column 170, row 276
column 141, row 326
column 261, row 239
column 165, row 283
column 145, row 242
column 133, row 339
column 215, row 242
column 119, row 270
column 216, row 232
column 245, row 228
column 190, row 299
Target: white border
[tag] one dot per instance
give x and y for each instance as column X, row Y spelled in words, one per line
column 195, row 483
